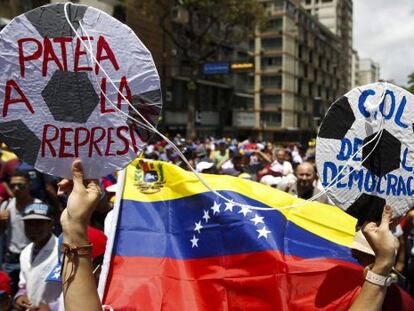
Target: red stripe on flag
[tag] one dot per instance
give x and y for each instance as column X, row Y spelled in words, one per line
column 267, row 280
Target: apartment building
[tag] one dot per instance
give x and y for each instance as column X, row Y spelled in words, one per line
column 337, row 16
column 369, row 71
column 296, row 73
column 355, row 69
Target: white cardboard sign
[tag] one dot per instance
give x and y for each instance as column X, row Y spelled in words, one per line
column 386, row 175
column 55, row 101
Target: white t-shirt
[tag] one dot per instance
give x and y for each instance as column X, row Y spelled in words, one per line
column 33, row 273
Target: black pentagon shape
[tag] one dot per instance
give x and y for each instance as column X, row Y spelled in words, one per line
column 367, row 208
column 70, row 96
column 50, row 20
column 149, row 106
column 21, row 140
column 386, row 156
column 338, row 120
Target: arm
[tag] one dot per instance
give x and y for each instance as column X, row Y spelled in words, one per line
column 400, row 264
column 21, row 301
column 263, row 156
column 4, row 220
column 79, row 287
column 380, row 238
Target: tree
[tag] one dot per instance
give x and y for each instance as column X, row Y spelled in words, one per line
column 198, row 28
column 411, row 82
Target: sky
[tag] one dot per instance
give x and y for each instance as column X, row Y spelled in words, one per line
column 384, row 32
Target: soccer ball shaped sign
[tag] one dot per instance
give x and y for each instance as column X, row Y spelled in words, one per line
column 75, row 83
column 364, row 151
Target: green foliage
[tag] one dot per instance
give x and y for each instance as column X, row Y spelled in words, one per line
column 411, row 83
column 198, row 27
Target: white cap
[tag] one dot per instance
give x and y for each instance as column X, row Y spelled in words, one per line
column 270, row 180
column 204, row 165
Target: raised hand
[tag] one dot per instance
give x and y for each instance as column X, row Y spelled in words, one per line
column 382, row 242
column 82, row 201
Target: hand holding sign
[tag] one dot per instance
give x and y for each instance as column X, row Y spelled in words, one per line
column 364, row 151
column 65, row 93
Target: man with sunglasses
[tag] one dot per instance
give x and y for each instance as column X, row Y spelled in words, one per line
column 11, row 224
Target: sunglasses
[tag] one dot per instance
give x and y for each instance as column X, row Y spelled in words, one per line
column 19, row 186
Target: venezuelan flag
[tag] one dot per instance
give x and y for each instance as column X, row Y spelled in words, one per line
column 178, row 246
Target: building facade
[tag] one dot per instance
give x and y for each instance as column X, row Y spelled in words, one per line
column 355, row 69
column 337, row 16
column 296, row 73
column 216, row 91
column 369, row 71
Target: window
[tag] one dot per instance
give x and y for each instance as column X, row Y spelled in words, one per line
column 270, row 119
column 271, row 62
column 300, row 52
column 272, row 82
column 275, row 25
column 268, row 101
column 272, row 43
column 300, row 83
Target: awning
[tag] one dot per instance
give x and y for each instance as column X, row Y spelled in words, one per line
column 244, row 95
column 206, row 82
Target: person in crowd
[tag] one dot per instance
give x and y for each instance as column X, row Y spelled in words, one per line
column 305, row 184
column 237, row 166
column 278, row 169
column 36, row 260
column 221, row 155
column 11, row 213
column 255, row 160
column 280, row 161
column 166, row 155
column 407, row 254
column 5, row 291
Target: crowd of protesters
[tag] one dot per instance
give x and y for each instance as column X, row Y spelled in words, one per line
column 31, row 205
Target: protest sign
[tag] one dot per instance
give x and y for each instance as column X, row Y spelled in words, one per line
column 62, row 92
column 364, row 151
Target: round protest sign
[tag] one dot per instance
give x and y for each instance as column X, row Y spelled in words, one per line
column 65, row 88
column 364, row 151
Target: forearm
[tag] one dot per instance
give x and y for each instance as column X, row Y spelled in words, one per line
column 79, row 287
column 264, row 157
column 371, row 297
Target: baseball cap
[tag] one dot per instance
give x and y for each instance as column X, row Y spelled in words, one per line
column 37, row 211
column 204, row 165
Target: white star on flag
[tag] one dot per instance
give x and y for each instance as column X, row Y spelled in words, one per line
column 206, row 216
column 194, row 242
column 216, row 208
column 257, row 219
column 263, row 233
column 244, row 210
column 198, row 226
column 57, row 274
column 229, row 206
